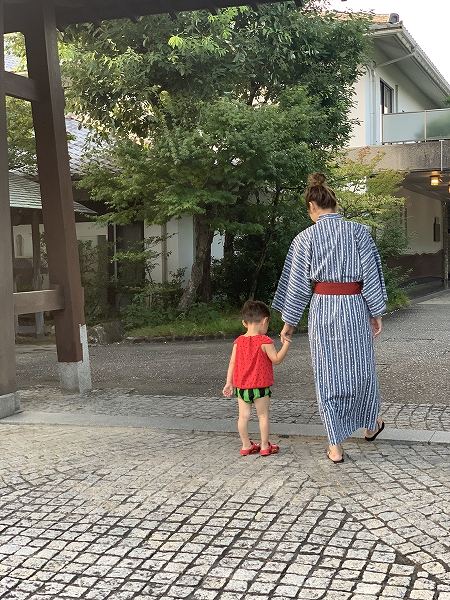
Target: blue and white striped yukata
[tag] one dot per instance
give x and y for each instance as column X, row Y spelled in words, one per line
column 341, row 339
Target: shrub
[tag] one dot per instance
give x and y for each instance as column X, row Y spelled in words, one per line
column 154, row 304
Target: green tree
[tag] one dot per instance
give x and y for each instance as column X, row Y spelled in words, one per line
column 371, row 196
column 220, row 116
column 233, row 171
column 21, row 137
column 21, row 141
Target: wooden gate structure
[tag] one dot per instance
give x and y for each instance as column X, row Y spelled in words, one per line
column 39, row 21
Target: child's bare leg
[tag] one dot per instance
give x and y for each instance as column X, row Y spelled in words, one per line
column 244, row 416
column 262, row 408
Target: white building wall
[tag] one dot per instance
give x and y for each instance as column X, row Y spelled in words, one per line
column 90, row 231
column 27, row 246
column 367, row 108
column 184, row 246
column 217, row 246
column 359, row 113
column 180, row 247
column 85, row 232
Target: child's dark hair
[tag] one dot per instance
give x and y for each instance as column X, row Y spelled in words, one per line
column 254, row 311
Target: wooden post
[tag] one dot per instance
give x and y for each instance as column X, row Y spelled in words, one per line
column 37, row 280
column 7, row 336
column 445, row 243
column 13, row 254
column 56, row 192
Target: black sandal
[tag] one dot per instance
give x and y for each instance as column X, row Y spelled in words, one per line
column 374, row 437
column 336, row 462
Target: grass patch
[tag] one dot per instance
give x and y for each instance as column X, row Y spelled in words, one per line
column 399, row 300
column 228, row 323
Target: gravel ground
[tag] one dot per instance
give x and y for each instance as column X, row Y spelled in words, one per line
column 413, row 361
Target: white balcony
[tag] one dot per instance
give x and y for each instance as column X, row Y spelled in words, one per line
column 422, row 126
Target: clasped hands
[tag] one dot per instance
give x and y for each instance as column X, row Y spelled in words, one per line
column 287, row 333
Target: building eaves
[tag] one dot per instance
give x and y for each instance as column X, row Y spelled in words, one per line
column 26, row 194
column 382, row 28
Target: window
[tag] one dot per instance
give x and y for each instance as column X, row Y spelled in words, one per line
column 387, row 98
column 19, row 245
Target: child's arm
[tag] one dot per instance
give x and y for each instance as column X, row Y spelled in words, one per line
column 228, row 389
column 274, row 356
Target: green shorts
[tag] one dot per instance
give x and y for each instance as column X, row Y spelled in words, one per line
column 251, row 395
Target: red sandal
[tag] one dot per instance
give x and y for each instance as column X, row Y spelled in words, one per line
column 271, row 449
column 254, row 448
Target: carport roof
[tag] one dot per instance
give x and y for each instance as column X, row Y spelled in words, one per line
column 69, row 12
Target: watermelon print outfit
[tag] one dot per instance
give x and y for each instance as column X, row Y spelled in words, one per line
column 253, row 370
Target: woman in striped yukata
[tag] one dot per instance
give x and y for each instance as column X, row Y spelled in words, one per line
column 335, row 265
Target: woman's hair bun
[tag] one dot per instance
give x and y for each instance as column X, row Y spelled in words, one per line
column 316, row 179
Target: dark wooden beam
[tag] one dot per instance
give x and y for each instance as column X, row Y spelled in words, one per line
column 445, row 242
column 89, row 11
column 7, row 334
column 27, row 303
column 54, row 178
column 21, row 87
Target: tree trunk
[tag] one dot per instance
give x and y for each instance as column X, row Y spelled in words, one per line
column 205, row 291
column 228, row 246
column 200, row 274
column 267, row 239
column 256, row 274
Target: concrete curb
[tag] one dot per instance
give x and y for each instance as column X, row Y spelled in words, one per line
column 209, row 425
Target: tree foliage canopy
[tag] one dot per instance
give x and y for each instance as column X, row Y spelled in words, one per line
column 220, row 116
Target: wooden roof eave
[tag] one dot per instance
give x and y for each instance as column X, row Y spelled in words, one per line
column 71, row 12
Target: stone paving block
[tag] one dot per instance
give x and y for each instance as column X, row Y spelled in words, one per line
column 422, row 595
column 314, row 543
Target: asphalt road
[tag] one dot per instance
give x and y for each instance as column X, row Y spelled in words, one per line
column 413, row 360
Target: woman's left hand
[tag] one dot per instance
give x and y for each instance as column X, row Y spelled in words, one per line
column 287, row 332
column 377, row 325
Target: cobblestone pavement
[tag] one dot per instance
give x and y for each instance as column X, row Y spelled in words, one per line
column 119, row 514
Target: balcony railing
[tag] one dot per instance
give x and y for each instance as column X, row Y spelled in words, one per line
column 420, row 126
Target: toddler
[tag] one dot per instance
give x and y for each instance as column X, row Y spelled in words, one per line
column 250, row 375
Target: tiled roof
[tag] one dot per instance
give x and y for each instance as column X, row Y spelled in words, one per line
column 24, row 193
column 380, row 19
column 79, row 145
column 12, row 63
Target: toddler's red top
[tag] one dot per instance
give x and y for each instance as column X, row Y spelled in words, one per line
column 252, row 368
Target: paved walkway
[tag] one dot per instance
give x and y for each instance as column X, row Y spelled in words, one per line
column 110, row 496
column 120, row 514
